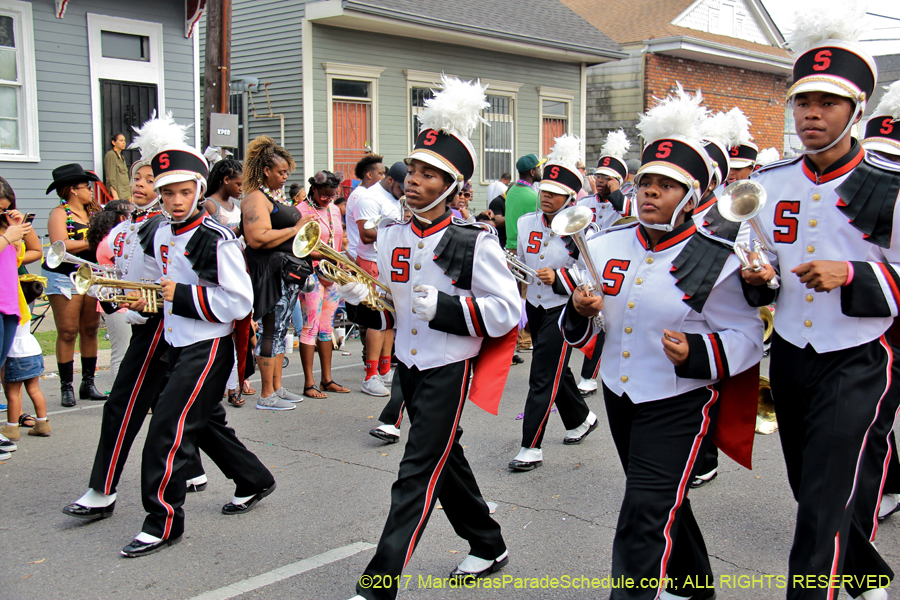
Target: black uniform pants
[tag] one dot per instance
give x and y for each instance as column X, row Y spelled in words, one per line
column 141, row 377
column 657, row 536
column 392, row 413
column 433, row 467
column 551, row 380
column 188, row 415
column 832, row 409
column 590, row 367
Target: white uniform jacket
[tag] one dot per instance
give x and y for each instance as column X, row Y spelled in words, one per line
column 808, row 219
column 540, row 248
column 605, row 211
column 205, row 304
column 124, row 242
column 641, row 297
column 486, row 303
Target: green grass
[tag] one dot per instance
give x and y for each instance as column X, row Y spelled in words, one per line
column 47, row 339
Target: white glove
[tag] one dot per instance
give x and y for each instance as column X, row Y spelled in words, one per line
column 353, row 293
column 425, row 306
column 134, row 318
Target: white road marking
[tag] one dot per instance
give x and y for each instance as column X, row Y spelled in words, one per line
column 285, row 572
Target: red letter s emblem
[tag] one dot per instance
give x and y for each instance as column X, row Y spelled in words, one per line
column 823, row 60
column 606, row 162
column 735, row 150
column 887, row 126
column 400, row 265
column 430, row 138
column 554, row 173
column 164, row 160
column 665, row 149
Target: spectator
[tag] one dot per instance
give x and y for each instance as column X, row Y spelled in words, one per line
column 270, row 222
column 628, row 187
column 497, row 212
column 460, row 205
column 33, row 250
column 521, row 198
column 76, row 316
column 498, row 188
column 297, row 193
column 223, row 194
column 586, row 187
column 115, row 169
column 341, row 203
column 24, row 365
column 320, row 304
column 116, row 323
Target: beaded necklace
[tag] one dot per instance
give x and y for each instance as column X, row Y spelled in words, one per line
column 276, row 195
column 318, row 215
column 70, row 221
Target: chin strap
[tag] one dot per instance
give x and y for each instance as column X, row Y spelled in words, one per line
column 418, row 211
column 671, row 224
column 197, row 195
column 857, row 112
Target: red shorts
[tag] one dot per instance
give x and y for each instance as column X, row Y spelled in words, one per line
column 369, row 266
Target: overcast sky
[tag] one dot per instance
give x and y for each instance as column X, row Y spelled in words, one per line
column 886, row 30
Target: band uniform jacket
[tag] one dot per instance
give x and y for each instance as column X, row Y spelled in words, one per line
column 490, row 307
column 606, row 212
column 641, row 298
column 205, row 306
column 539, row 247
column 810, row 217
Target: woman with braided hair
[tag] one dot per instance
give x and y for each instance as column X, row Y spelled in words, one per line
column 270, row 222
column 223, row 195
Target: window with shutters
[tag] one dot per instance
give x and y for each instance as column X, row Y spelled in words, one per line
column 18, row 87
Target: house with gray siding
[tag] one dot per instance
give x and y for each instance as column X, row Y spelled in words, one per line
column 72, row 72
column 349, row 76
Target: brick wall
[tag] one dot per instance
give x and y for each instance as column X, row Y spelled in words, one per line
column 759, row 95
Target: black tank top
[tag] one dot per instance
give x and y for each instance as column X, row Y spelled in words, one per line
column 65, row 268
column 283, row 217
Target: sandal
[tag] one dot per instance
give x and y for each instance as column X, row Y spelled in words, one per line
column 26, row 417
column 341, row 389
column 248, row 390
column 235, row 400
column 316, row 390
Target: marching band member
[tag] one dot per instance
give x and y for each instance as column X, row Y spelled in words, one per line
column 142, row 372
column 454, row 297
column 552, row 257
column 205, row 288
column 741, row 161
column 831, row 213
column 675, row 326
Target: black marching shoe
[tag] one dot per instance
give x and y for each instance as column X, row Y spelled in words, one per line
column 195, row 487
column 495, row 566
column 67, row 394
column 701, row 480
column 136, row 549
column 237, row 509
column 384, row 436
column 521, row 465
column 88, row 391
column 569, row 441
column 86, row 513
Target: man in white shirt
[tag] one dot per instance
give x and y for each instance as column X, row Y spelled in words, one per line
column 498, row 188
column 369, row 170
column 381, row 199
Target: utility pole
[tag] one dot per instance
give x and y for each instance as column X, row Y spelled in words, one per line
column 217, row 68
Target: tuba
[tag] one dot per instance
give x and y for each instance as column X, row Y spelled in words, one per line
column 519, row 269
column 338, row 268
column 742, row 201
column 86, row 278
column 766, row 422
column 572, row 222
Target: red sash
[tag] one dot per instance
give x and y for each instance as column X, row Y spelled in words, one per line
column 491, row 371
column 736, row 426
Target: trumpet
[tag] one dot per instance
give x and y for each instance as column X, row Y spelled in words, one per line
column 742, row 201
column 519, row 269
column 338, row 268
column 573, row 221
column 57, row 255
column 86, row 278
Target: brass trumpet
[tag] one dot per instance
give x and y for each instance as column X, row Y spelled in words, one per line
column 86, row 278
column 338, row 268
column 57, row 255
column 573, row 221
column 519, row 269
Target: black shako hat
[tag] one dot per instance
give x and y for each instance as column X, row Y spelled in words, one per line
column 680, row 158
column 613, row 167
column 445, row 151
column 743, row 155
column 71, row 174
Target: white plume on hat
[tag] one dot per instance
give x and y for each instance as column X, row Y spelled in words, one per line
column 158, row 133
column 728, row 129
column 566, row 150
column 843, row 20
column 677, row 114
column 889, row 105
column 456, row 108
column 767, row 156
column 616, row 144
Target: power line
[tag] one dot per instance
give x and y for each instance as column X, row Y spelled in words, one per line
column 884, row 16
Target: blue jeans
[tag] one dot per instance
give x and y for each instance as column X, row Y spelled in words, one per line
column 8, row 326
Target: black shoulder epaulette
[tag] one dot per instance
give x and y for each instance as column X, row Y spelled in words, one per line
column 571, row 246
column 202, row 247
column 721, row 226
column 148, row 231
column 778, row 163
column 867, row 197
column 698, row 266
column 455, row 253
column 618, row 200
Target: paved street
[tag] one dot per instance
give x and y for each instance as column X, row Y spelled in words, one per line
column 312, row 538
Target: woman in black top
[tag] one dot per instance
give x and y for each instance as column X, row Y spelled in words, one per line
column 74, row 315
column 270, row 222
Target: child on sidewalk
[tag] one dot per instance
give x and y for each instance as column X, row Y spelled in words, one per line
column 25, row 365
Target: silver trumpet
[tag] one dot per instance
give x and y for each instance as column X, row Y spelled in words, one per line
column 742, row 201
column 57, row 255
column 520, row 270
column 572, row 222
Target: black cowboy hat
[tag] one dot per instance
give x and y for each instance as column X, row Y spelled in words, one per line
column 70, row 175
